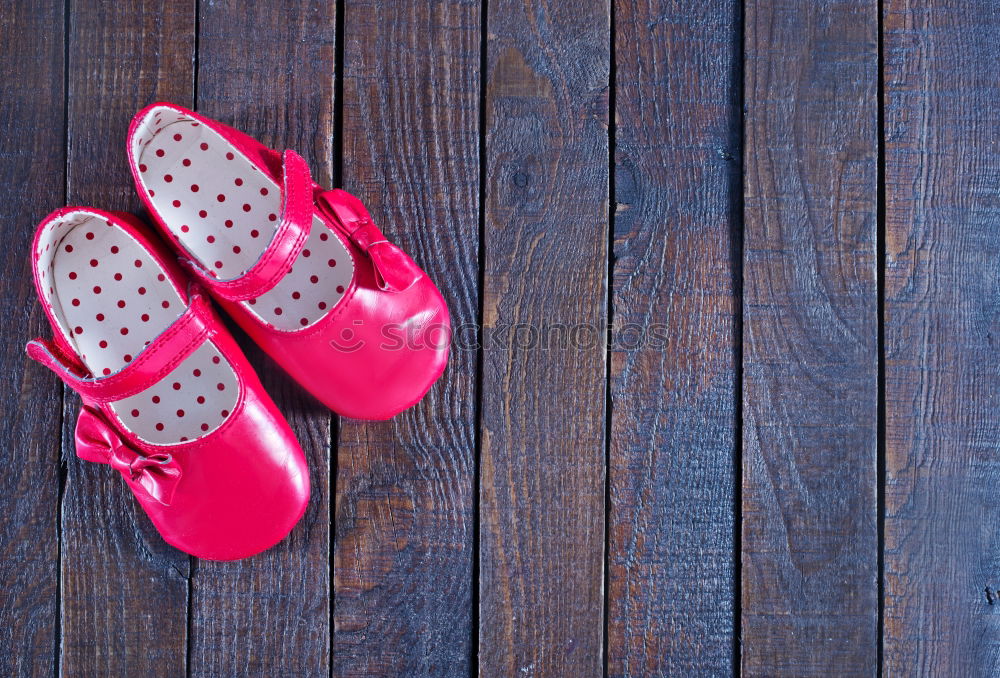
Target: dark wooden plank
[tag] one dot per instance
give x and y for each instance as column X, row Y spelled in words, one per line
column 32, row 164
column 942, row 172
column 124, row 589
column 405, row 488
column 268, row 69
column 810, row 546
column 543, row 404
column 673, row 357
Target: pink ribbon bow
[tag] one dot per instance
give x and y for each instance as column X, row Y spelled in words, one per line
column 96, row 440
column 395, row 271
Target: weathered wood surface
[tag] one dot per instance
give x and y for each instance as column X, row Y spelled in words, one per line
column 810, row 349
column 740, row 516
column 268, row 70
column 675, row 350
column 32, row 164
column 124, row 590
column 942, row 181
column 542, row 426
column 405, row 514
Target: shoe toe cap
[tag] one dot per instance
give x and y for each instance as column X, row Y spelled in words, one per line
column 398, row 361
column 242, row 490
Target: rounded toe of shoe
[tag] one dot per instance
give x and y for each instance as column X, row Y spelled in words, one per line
column 241, row 492
column 398, row 362
column 387, row 392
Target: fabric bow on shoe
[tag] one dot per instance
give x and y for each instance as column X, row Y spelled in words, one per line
column 395, row 271
column 98, row 441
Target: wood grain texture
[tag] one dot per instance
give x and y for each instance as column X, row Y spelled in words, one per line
column 673, row 357
column 942, row 290
column 545, row 308
column 32, row 158
column 810, row 549
column 268, row 70
column 405, row 488
column 124, row 604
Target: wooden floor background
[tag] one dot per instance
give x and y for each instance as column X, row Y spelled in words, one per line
column 785, row 462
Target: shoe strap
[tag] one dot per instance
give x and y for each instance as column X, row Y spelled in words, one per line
column 152, row 364
column 286, row 244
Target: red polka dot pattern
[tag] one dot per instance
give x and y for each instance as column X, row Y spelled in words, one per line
column 227, row 213
column 108, row 333
column 187, row 402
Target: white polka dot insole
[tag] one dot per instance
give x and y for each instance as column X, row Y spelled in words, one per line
column 111, row 299
column 224, row 210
